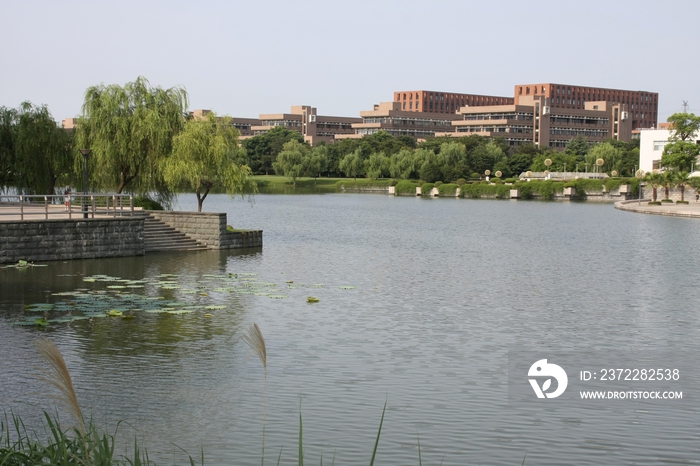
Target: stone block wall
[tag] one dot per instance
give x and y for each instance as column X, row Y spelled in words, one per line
column 673, row 193
column 63, row 239
column 209, row 228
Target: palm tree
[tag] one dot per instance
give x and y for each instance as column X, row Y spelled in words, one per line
column 681, row 180
column 655, row 179
column 669, row 177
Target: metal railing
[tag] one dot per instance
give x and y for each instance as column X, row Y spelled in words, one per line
column 77, row 205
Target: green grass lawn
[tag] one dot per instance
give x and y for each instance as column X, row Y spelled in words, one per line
column 267, row 183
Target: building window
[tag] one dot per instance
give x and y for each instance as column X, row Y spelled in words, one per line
column 404, row 105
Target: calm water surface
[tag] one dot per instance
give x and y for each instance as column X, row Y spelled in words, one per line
column 443, row 290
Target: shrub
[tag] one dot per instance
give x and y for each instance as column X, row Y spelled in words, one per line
column 667, row 200
column 476, row 190
column 503, row 191
column 484, row 182
column 425, row 189
column 146, row 203
column 474, row 176
column 525, row 190
column 461, row 181
column 612, row 183
column 681, row 202
column 447, row 189
column 654, row 203
column 393, row 182
column 406, row 187
column 511, row 180
column 438, row 183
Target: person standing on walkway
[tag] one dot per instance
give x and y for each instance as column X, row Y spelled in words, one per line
column 67, row 194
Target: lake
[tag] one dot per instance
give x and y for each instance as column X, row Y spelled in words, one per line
column 421, row 302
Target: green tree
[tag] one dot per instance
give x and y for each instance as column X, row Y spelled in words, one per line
column 577, row 146
column 353, row 164
column 655, row 179
column 684, row 126
column 682, row 181
column 130, row 130
column 520, row 162
column 431, row 170
column 610, row 154
column 681, row 152
column 667, row 181
column 204, row 156
column 292, row 160
column 401, row 164
column 8, row 141
column 503, row 167
column 680, row 155
column 262, row 149
column 43, row 151
column 484, row 157
column 316, row 162
column 377, row 165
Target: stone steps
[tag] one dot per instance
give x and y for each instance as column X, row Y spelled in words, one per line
column 159, row 236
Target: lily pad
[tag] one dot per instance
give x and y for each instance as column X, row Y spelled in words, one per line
column 346, row 287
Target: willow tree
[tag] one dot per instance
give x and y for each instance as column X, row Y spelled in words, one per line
column 130, row 130
column 204, row 156
column 44, row 155
column 291, row 160
column 8, row 138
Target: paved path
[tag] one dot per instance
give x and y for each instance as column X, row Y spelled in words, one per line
column 692, row 209
column 11, row 211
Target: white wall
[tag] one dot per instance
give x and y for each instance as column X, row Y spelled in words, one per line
column 647, row 152
column 651, row 146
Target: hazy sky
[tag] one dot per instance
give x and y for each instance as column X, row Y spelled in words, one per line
column 244, row 58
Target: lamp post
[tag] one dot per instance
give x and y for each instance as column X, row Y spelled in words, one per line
column 86, row 155
column 639, row 174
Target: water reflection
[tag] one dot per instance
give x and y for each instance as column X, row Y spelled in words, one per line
column 443, row 290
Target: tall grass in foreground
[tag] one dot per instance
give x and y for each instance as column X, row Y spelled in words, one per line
column 255, row 340
column 85, row 445
column 82, row 444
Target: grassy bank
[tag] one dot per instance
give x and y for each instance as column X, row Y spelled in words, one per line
column 545, row 190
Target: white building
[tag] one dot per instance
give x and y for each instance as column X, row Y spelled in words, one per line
column 651, row 147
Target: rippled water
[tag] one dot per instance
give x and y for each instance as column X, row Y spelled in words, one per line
column 444, row 288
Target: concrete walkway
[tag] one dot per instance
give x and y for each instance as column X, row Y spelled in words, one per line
column 11, row 212
column 690, row 210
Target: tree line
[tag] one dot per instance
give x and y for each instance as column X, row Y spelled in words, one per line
column 437, row 159
column 142, row 140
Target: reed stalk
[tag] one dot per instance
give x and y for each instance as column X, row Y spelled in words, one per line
column 255, row 340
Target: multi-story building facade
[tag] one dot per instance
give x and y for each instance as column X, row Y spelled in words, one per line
column 308, row 123
column 243, row 125
column 642, row 106
column 534, row 121
column 389, row 117
column 444, row 102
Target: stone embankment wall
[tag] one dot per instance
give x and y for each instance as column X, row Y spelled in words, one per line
column 63, row 239
column 209, row 228
column 673, row 193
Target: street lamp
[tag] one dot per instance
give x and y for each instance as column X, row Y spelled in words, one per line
column 640, row 175
column 86, row 155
